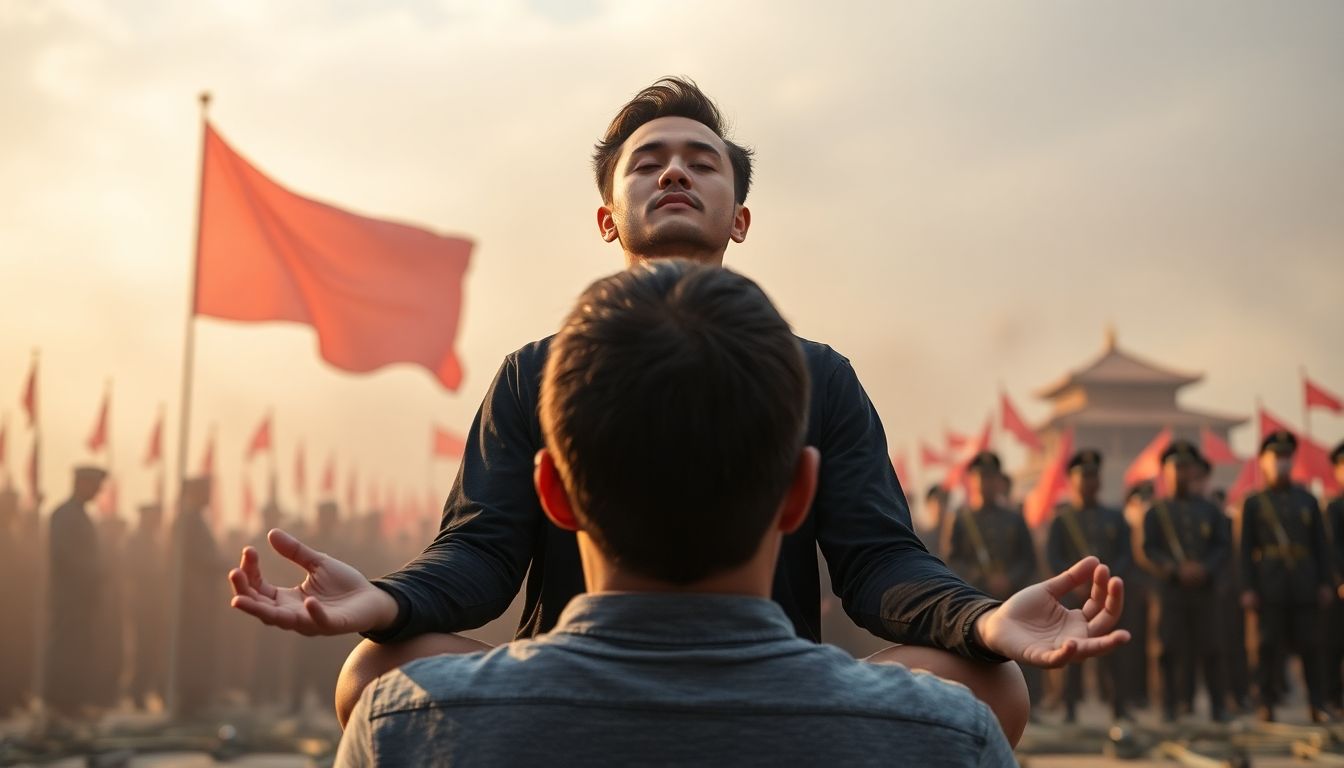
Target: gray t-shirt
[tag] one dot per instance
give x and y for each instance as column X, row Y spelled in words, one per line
column 662, row 679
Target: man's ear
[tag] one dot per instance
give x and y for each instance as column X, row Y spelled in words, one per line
column 798, row 498
column 741, row 223
column 606, row 224
column 551, row 492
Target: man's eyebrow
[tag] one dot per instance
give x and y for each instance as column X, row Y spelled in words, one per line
column 656, row 146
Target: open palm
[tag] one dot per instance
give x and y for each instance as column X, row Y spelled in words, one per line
column 1034, row 627
column 334, row 598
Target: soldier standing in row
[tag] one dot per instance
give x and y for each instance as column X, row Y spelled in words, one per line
column 148, row 577
column 990, row 546
column 13, row 670
column 1082, row 526
column 196, row 672
column 1334, row 633
column 74, row 600
column 1185, row 543
column 1286, row 566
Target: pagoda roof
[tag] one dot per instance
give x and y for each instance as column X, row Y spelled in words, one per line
column 1116, row 366
column 1105, row 416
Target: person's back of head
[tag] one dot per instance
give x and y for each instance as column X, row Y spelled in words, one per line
column 674, row 406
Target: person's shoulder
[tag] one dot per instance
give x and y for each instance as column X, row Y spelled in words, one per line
column 822, row 359
column 900, row 693
column 1302, row 493
column 531, row 356
column 451, row 679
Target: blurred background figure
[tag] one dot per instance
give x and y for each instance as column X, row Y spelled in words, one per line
column 201, row 592
column 147, row 574
column 75, row 602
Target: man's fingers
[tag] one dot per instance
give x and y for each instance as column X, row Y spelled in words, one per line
column 1061, row 655
column 240, row 584
column 1096, row 646
column 294, row 550
column 1077, row 575
column 272, row 615
column 1114, row 604
column 1096, row 598
column 321, row 619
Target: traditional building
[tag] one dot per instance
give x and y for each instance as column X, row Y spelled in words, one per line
column 1117, row 403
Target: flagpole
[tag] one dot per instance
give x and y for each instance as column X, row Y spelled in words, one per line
column 1306, row 407
column 184, row 428
column 39, row 628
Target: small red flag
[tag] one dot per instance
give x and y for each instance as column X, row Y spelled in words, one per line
column 956, row 441
column 1316, row 397
column 329, row 477
column 929, row 457
column 30, row 395
column 957, row 474
column 1013, row 422
column 300, row 472
column 377, row 292
column 154, row 453
column 107, row 499
column 1148, row 464
column 447, row 445
column 1039, row 505
column 1215, row 449
column 261, row 439
column 98, row 438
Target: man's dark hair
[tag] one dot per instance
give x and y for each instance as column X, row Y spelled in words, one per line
column 674, row 403
column 668, row 97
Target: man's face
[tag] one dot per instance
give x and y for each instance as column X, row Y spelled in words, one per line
column 1177, row 474
column 1339, row 473
column 982, row 484
column 1086, row 483
column 672, row 193
column 1277, row 467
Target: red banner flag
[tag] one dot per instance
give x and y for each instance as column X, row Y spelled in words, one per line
column 30, row 395
column 107, row 499
column 377, row 292
column 261, row 439
column 1312, row 460
column 300, row 472
column 929, row 457
column 1039, row 505
column 955, row 441
column 1216, row 449
column 1013, row 422
column 1316, row 397
column 98, row 438
column 957, row 474
column 154, row 453
column 447, row 445
column 1148, row 464
column 329, row 477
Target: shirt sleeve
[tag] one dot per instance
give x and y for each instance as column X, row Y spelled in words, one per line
column 887, row 581
column 472, row 570
column 356, row 747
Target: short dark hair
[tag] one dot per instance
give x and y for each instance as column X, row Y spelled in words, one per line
column 668, row 97
column 674, row 402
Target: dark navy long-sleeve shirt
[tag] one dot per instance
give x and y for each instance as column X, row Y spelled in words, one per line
column 494, row 532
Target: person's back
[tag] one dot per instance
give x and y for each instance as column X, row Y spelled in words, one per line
column 670, row 679
column 674, row 410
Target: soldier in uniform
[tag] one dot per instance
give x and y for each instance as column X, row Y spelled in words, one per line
column 74, row 599
column 1334, row 633
column 990, row 546
column 1184, row 545
column 196, row 672
column 1133, row 657
column 147, row 577
column 1082, row 526
column 1285, row 563
column 936, row 518
column 13, row 670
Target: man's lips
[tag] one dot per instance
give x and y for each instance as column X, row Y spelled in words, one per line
column 675, row 198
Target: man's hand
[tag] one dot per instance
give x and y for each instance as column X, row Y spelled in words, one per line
column 1191, row 574
column 333, row 599
column 1250, row 601
column 1033, row 627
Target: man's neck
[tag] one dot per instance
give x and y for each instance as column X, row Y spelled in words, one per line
column 1081, row 503
column 678, row 251
column 754, row 578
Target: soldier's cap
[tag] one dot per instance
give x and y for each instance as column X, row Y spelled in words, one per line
column 1337, row 455
column 198, row 486
column 1182, row 451
column 1086, row 459
column 327, row 507
column 89, row 472
column 985, row 461
column 1280, row 441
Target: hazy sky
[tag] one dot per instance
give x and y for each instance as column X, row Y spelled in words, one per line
column 952, row 194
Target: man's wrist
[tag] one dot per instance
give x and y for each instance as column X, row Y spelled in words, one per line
column 387, row 610
column 978, row 633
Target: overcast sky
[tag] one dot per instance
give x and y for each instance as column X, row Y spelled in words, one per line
column 954, row 195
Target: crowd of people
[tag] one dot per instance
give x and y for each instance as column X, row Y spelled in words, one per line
column 1197, row 571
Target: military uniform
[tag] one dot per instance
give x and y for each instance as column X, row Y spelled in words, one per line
column 1074, row 534
column 1334, row 629
column 1285, row 564
column 200, row 596
column 1178, row 531
column 74, row 601
column 148, row 578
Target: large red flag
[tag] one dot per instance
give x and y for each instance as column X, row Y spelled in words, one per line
column 1316, row 397
column 1312, row 460
column 261, row 439
column 98, row 438
column 1216, row 449
column 1039, row 505
column 377, row 292
column 30, row 395
column 1148, row 464
column 1013, row 422
column 447, row 445
column 957, row 474
column 154, row 453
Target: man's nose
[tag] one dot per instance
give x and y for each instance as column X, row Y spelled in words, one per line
column 675, row 173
